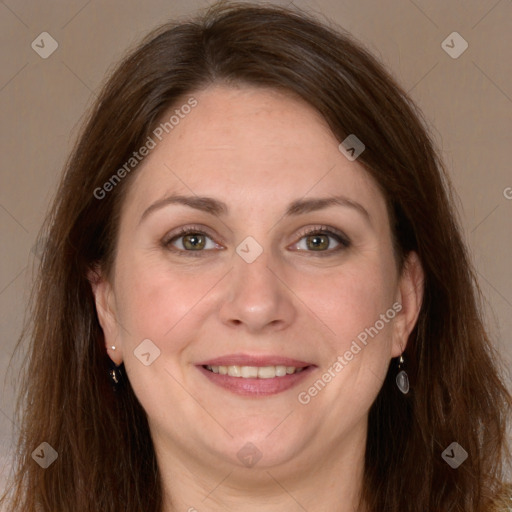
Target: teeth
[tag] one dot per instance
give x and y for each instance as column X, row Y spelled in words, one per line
column 247, row 372
column 253, row 372
column 234, row 371
column 267, row 372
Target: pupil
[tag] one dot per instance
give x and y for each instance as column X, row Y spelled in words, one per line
column 194, row 241
column 319, row 241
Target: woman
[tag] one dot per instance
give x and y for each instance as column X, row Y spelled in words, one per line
column 254, row 293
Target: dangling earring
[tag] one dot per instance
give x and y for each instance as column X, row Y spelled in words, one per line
column 402, row 379
column 116, row 376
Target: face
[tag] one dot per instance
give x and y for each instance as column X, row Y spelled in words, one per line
column 247, row 240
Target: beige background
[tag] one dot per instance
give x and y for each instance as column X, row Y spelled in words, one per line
column 468, row 102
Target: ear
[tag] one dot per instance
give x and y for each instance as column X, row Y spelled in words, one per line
column 106, row 310
column 410, row 296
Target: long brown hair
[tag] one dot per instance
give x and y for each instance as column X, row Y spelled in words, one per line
column 105, row 458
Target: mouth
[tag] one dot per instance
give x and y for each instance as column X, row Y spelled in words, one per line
column 258, row 379
column 255, row 372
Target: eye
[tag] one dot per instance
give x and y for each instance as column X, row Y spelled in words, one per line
column 193, row 239
column 322, row 240
column 190, row 240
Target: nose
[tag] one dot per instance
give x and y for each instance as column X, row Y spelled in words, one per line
column 256, row 297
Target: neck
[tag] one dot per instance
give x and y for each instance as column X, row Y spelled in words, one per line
column 327, row 479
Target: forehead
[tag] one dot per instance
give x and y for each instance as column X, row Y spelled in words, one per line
column 258, row 145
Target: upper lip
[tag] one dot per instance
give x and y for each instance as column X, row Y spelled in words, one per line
column 257, row 360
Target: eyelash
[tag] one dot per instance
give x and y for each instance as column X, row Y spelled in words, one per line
column 341, row 238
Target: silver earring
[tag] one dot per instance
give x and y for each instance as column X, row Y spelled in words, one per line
column 113, row 347
column 402, row 379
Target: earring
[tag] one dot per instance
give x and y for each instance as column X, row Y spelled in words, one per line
column 402, row 379
column 116, row 376
column 113, row 347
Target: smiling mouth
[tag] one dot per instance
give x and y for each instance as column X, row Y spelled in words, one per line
column 256, row 381
column 255, row 372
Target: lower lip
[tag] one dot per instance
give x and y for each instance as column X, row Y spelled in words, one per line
column 256, row 387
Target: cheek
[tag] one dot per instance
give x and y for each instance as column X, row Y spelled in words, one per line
column 165, row 306
column 357, row 351
column 352, row 300
column 154, row 298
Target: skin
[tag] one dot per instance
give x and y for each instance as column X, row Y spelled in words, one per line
column 257, row 150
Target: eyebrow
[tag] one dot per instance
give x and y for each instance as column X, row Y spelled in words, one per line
column 219, row 208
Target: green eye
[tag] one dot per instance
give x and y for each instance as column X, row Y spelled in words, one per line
column 194, row 242
column 318, row 242
column 190, row 240
column 322, row 241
